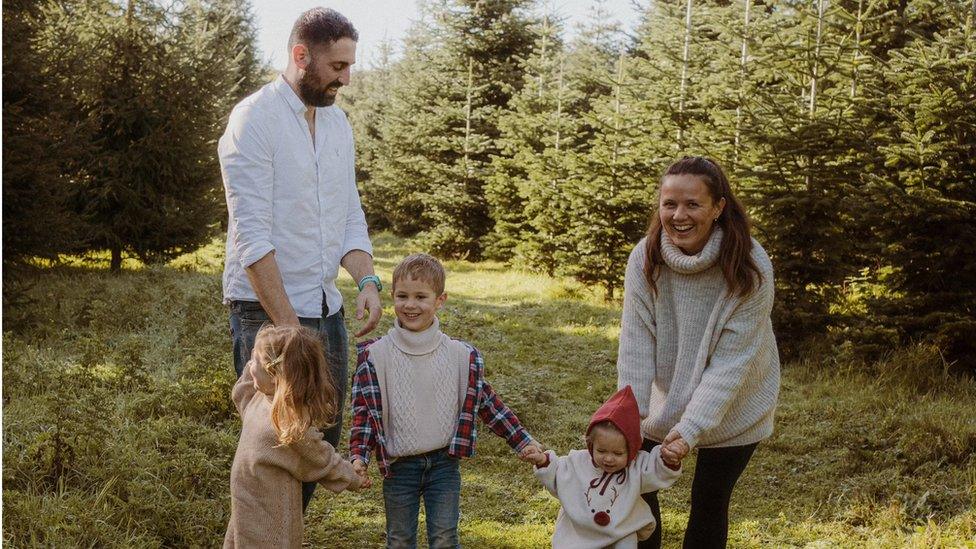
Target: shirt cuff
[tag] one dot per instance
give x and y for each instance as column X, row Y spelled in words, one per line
column 362, row 244
column 250, row 254
column 360, row 455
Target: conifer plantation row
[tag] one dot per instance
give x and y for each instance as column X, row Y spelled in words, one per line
column 848, row 127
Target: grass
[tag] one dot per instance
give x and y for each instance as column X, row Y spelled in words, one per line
column 118, row 429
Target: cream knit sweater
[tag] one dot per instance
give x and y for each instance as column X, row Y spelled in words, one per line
column 423, row 381
column 699, row 360
column 265, row 479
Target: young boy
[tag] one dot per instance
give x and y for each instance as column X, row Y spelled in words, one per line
column 600, row 488
column 415, row 396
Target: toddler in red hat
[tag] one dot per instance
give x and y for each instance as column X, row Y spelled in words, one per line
column 600, row 488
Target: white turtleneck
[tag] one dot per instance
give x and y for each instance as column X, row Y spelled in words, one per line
column 699, row 360
column 420, row 376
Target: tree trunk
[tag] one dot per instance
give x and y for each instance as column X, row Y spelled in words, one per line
column 857, row 47
column 742, row 83
column 684, row 78
column 116, row 265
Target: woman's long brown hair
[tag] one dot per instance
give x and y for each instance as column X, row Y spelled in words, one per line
column 740, row 271
column 305, row 395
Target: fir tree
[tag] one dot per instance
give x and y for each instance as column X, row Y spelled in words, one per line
column 146, row 87
column 804, row 161
column 519, row 189
column 608, row 194
column 38, row 143
column 929, row 194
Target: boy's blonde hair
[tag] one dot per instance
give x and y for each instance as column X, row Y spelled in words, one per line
column 305, row 395
column 422, row 267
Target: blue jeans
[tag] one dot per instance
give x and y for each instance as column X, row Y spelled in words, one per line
column 247, row 317
column 437, row 477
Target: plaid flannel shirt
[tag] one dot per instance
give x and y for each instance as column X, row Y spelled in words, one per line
column 367, row 413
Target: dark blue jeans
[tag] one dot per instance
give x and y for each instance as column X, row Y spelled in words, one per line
column 435, row 476
column 247, row 317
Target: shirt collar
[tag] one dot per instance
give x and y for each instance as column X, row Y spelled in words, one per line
column 289, row 95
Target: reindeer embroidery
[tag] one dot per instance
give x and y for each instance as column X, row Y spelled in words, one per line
column 598, row 498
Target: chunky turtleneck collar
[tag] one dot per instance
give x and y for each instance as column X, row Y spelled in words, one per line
column 416, row 343
column 690, row 264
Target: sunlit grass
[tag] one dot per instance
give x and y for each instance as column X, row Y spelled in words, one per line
column 118, row 428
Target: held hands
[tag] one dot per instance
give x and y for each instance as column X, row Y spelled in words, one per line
column 533, row 454
column 674, row 449
column 360, row 468
column 368, row 300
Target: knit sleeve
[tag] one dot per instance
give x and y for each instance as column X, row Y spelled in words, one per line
column 655, row 475
column 638, row 339
column 547, row 474
column 743, row 342
column 243, row 391
column 317, row 461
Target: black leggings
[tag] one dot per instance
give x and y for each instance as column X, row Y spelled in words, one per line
column 716, row 473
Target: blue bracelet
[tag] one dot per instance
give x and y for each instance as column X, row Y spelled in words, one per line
column 370, row 278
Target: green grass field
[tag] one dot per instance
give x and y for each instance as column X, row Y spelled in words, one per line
column 118, row 430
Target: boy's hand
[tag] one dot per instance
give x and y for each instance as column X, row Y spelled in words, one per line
column 534, row 455
column 360, row 468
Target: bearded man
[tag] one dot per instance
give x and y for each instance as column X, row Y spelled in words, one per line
column 287, row 162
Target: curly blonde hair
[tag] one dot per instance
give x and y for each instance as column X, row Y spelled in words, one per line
column 305, row 395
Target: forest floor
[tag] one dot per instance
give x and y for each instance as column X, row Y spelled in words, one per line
column 118, row 430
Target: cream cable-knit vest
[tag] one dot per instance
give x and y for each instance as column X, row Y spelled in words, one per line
column 421, row 393
column 699, row 360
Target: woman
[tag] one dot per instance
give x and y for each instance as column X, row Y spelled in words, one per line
column 696, row 341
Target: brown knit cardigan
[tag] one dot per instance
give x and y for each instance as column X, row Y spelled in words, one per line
column 265, row 479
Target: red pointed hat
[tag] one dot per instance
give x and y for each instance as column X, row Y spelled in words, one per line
column 621, row 410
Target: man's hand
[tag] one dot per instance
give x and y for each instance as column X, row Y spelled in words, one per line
column 360, row 264
column 360, row 468
column 368, row 300
column 674, row 448
column 533, row 454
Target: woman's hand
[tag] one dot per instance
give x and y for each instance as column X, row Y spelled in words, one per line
column 674, row 448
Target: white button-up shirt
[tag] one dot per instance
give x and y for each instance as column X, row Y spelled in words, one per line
column 286, row 194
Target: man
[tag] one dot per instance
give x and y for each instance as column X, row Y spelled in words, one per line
column 287, row 162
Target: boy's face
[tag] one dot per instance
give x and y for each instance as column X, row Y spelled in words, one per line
column 416, row 303
column 609, row 449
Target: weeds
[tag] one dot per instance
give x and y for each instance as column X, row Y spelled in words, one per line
column 119, row 431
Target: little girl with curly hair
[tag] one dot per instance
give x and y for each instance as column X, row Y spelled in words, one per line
column 284, row 396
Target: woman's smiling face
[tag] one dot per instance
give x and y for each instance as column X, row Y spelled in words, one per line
column 688, row 211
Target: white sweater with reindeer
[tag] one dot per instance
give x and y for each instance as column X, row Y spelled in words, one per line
column 603, row 509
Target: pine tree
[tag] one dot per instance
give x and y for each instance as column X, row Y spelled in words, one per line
column 804, row 161
column 484, row 41
column 518, row 189
column 367, row 102
column 608, row 193
column 37, row 144
column 458, row 73
column 146, row 88
column 929, row 194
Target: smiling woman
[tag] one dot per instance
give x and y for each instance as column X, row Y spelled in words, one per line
column 696, row 341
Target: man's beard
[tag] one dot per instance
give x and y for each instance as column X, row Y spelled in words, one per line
column 311, row 90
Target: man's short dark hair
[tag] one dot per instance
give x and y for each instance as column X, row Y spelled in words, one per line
column 321, row 27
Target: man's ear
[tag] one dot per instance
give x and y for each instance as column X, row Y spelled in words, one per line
column 301, row 56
